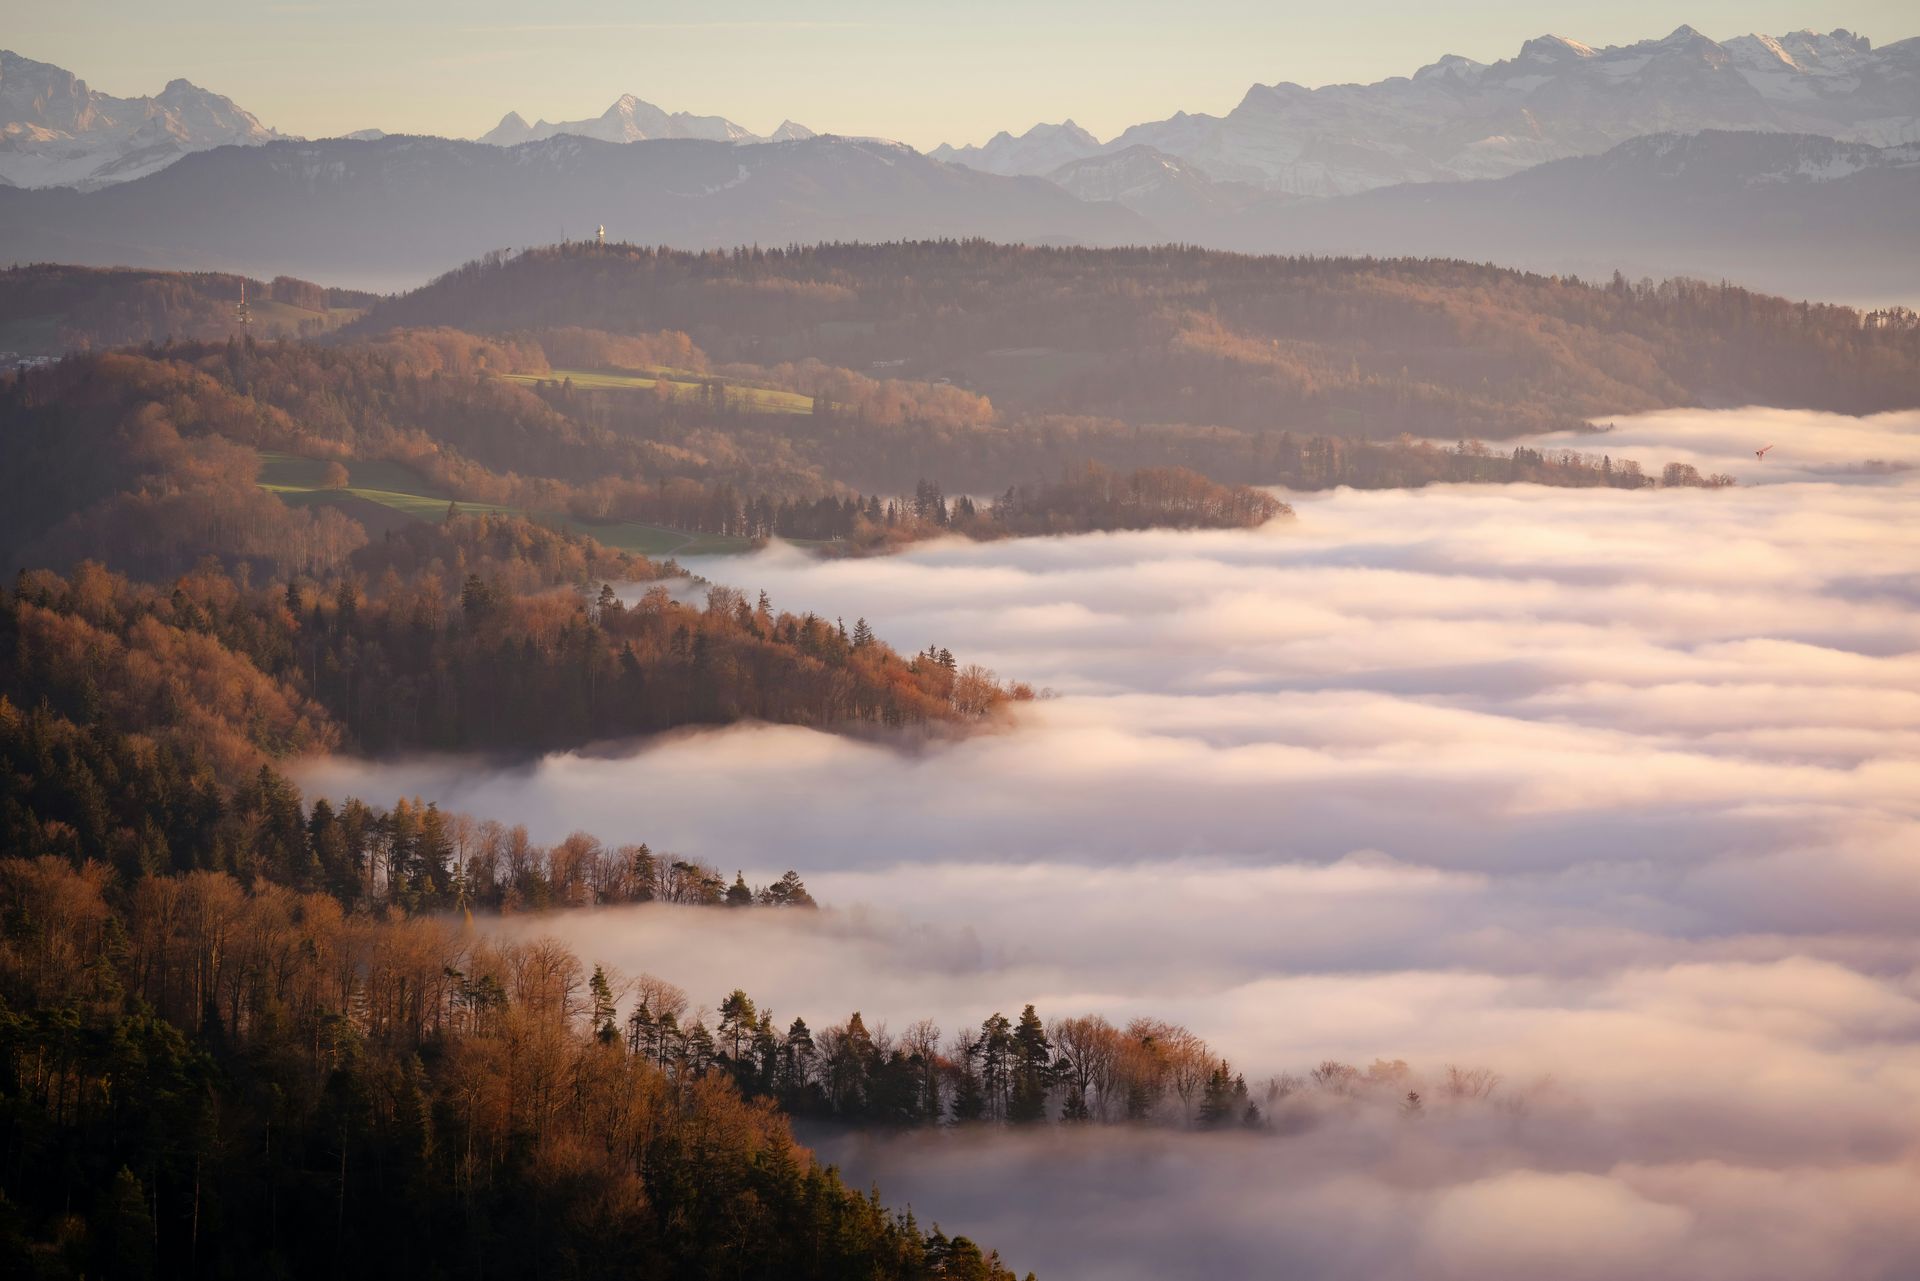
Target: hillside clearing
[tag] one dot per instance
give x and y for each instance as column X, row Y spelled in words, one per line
column 301, row 482
column 680, row 383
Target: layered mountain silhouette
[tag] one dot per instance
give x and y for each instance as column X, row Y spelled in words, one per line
column 395, row 211
column 1456, row 118
column 1784, row 163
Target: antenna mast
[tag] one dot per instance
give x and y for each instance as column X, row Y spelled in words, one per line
column 242, row 314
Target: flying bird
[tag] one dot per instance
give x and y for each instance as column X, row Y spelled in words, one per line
column 1761, row 453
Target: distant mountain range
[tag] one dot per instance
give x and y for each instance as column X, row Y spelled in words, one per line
column 395, row 211
column 1517, row 162
column 1452, row 119
column 631, row 120
column 1460, row 119
column 1798, row 215
column 55, row 131
column 1795, row 214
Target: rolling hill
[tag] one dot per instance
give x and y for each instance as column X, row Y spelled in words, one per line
column 1799, row 215
column 395, row 211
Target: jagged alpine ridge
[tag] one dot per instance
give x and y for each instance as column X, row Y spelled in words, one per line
column 631, row 120
column 1456, row 118
column 55, row 131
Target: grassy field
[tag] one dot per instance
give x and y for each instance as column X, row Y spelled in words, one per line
column 301, row 482
column 655, row 541
column 684, row 385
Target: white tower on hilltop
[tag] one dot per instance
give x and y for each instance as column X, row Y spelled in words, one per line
column 601, row 235
column 242, row 314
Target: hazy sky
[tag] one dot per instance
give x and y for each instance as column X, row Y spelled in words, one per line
column 920, row 72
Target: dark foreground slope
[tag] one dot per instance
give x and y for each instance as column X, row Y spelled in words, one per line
column 229, row 1045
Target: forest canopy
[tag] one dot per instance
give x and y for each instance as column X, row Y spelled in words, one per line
column 1367, row 347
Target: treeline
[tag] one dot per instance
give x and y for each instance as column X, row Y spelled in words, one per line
column 1096, row 498
column 411, row 668
column 147, row 461
column 420, row 859
column 470, row 650
column 1169, row 334
column 200, row 1081
column 48, row 309
column 140, row 731
column 1088, row 499
column 1020, row 1071
column 144, row 727
column 155, row 808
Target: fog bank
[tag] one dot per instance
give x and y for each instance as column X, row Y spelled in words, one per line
column 1614, row 791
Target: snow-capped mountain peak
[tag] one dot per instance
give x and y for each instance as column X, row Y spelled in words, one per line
column 55, row 131
column 1552, row 48
column 1800, row 53
column 634, row 119
column 1556, row 97
column 1451, row 64
column 1041, row 149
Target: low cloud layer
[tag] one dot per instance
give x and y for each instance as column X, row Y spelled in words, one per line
column 1616, row 791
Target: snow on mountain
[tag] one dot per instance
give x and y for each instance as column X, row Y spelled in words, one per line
column 1557, row 97
column 1749, row 159
column 1037, row 151
column 1175, row 197
column 1797, row 214
column 55, row 131
column 632, row 120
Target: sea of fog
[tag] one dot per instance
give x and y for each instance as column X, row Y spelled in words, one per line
column 1615, row 793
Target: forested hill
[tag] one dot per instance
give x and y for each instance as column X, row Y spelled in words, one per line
column 1372, row 347
column 48, row 309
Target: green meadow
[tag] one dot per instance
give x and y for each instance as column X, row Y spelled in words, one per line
column 683, row 384
column 301, row 482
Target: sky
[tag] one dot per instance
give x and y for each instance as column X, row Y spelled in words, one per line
column 1612, row 793
column 922, row 73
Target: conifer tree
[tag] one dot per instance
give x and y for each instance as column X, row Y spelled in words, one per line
column 600, row 993
column 1031, row 1070
column 737, row 1022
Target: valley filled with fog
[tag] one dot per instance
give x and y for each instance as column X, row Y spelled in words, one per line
column 1614, row 793
column 830, row 671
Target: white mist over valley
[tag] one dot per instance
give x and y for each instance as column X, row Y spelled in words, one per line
column 1614, row 793
column 1094, row 643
